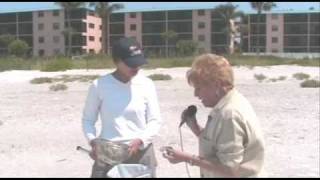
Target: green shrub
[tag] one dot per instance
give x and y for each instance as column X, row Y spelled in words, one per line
column 61, row 64
column 301, row 76
column 41, row 80
column 260, row 77
column 58, row 87
column 162, row 77
column 310, row 84
column 186, row 47
column 18, row 48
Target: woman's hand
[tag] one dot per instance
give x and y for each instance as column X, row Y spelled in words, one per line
column 93, row 153
column 134, row 146
column 175, row 156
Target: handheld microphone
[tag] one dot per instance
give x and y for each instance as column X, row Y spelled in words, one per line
column 191, row 111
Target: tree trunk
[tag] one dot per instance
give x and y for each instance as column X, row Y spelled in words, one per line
column 69, row 33
column 106, row 34
column 258, row 37
column 103, row 34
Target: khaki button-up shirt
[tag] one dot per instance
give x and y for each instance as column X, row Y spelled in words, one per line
column 232, row 137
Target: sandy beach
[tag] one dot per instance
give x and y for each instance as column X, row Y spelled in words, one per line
column 40, row 129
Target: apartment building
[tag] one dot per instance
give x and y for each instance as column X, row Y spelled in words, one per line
column 200, row 25
column 283, row 32
column 44, row 31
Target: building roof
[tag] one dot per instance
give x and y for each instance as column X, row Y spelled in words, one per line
column 286, row 12
column 153, row 7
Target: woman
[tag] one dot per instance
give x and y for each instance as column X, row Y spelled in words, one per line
column 128, row 107
column 231, row 143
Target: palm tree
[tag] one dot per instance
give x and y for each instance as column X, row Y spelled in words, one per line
column 104, row 9
column 228, row 12
column 68, row 6
column 259, row 7
column 168, row 36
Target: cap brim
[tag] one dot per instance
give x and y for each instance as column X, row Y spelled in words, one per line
column 135, row 61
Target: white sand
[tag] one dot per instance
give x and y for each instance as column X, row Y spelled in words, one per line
column 40, row 129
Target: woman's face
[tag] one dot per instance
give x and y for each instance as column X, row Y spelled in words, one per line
column 127, row 71
column 207, row 93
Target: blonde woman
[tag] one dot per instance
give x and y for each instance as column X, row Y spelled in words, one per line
column 231, row 143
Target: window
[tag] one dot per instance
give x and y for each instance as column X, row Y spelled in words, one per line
column 56, row 26
column 274, row 28
column 100, row 39
column 55, row 13
column 274, row 40
column 41, row 52
column 201, row 37
column 100, row 27
column 56, row 51
column 91, row 25
column 133, row 15
column 274, row 16
column 41, row 39
column 40, row 26
column 91, row 38
column 201, row 25
column 40, row 14
column 274, row 50
column 91, row 50
column 133, row 27
column 201, row 12
column 56, row 39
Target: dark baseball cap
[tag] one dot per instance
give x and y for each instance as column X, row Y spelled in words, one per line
column 129, row 51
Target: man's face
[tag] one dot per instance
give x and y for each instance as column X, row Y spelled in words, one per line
column 207, row 94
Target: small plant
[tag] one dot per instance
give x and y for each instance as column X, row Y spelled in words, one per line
column 41, row 80
column 301, row 76
column 260, row 77
column 281, row 78
column 273, row 79
column 58, row 87
column 310, row 84
column 162, row 77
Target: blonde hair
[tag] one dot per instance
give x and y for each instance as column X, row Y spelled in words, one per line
column 210, row 68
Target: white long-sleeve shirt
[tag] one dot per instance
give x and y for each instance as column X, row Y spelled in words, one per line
column 127, row 110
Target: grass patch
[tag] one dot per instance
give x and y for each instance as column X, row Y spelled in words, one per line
column 61, row 64
column 105, row 62
column 260, row 77
column 58, row 87
column 301, row 76
column 41, row 80
column 160, row 77
column 311, row 83
column 64, row 79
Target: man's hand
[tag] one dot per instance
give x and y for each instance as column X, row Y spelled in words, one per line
column 134, row 146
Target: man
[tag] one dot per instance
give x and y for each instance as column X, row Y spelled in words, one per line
column 128, row 107
column 231, row 144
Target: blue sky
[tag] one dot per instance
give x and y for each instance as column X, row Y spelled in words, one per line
column 244, row 6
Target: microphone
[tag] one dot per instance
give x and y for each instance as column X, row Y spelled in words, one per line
column 191, row 111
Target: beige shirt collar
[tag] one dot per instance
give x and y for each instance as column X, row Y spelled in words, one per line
column 223, row 100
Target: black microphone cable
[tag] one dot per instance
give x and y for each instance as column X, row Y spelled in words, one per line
column 191, row 111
